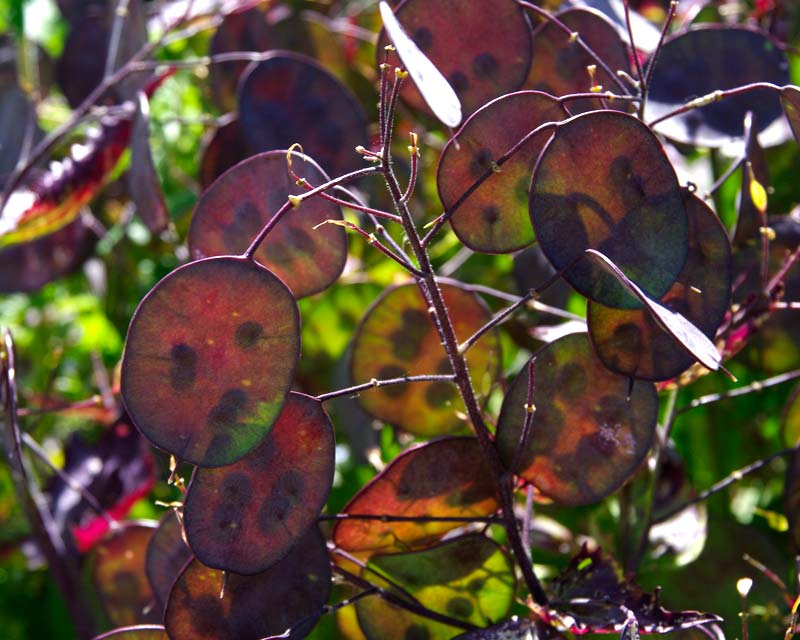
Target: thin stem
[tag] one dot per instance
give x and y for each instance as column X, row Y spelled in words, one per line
column 594, row 95
column 711, row 98
column 670, row 414
column 444, row 217
column 131, row 629
column 120, row 15
column 430, row 290
column 412, row 180
column 533, row 304
column 575, row 37
column 361, row 208
column 373, row 241
column 48, row 538
column 409, row 605
column 726, row 482
column 673, row 6
column 379, row 228
column 296, row 201
column 501, row 316
column 421, row 519
column 324, row 610
column 756, row 386
column 374, row 384
column 639, row 73
column 530, row 409
column 71, row 482
column 723, row 178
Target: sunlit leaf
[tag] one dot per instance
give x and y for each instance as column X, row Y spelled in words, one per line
column 246, row 516
column 632, row 342
column 687, row 334
column 397, row 338
column 232, row 211
column 290, row 594
column 482, row 49
column 442, row 478
column 209, row 359
column 590, row 430
column 559, row 64
column 604, row 182
column 468, row 578
column 226, row 148
column 494, row 218
column 167, row 554
column 288, row 98
column 118, row 572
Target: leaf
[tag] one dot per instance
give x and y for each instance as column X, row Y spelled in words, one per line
column 589, row 595
column 436, row 91
column 246, row 516
column 57, row 197
column 443, row 478
column 559, row 64
column 118, row 572
column 397, row 338
column 209, row 359
column 494, row 218
column 694, row 63
column 631, row 342
column 287, row 98
column 291, row 592
column 687, row 334
column 604, row 182
column 469, row 578
column 144, row 184
column 167, row 554
column 232, row 211
column 591, row 428
column 483, row 50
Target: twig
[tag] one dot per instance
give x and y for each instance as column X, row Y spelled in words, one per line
column 391, row 518
column 71, row 482
column 575, row 37
column 639, row 73
column 530, row 409
column 711, row 98
column 726, row 482
column 429, row 287
column 374, row 384
column 131, row 629
column 65, row 573
column 412, row 606
column 670, row 415
column 756, row 386
column 120, row 15
column 673, row 6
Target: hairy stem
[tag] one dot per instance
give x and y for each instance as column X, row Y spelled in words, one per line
column 429, row 287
